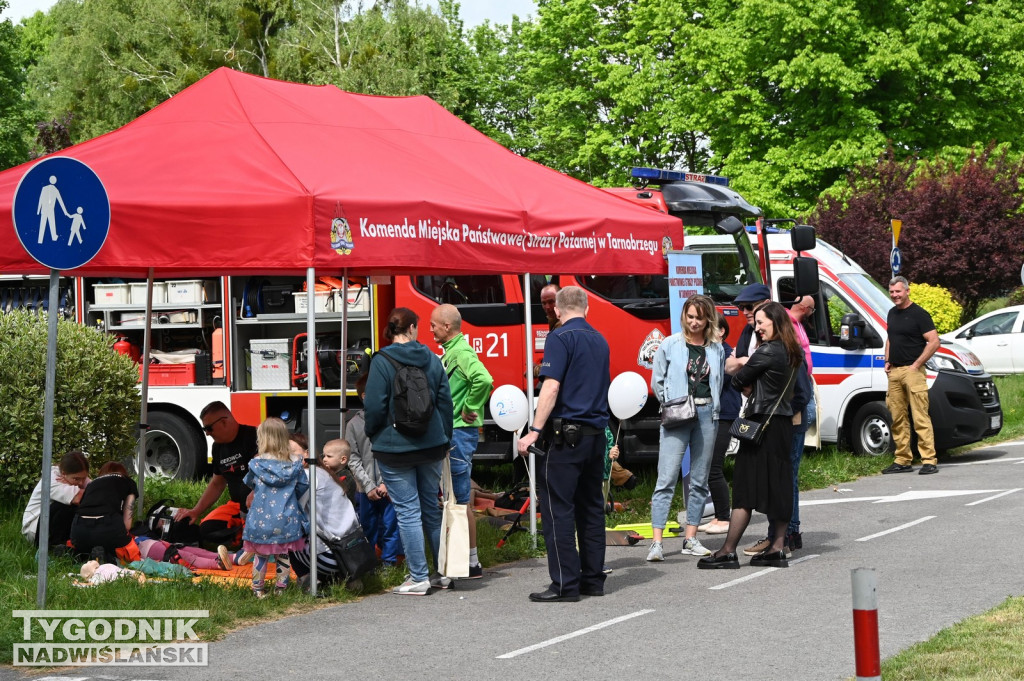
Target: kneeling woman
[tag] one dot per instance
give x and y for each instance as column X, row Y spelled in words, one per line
column 762, row 478
column 105, row 516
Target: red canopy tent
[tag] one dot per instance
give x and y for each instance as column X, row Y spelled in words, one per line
column 241, row 174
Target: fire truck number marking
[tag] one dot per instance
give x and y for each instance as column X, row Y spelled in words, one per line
column 492, row 340
column 495, row 339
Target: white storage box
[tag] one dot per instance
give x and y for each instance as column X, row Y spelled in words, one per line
column 137, row 294
column 111, row 294
column 358, row 299
column 192, row 291
column 271, row 363
column 324, row 301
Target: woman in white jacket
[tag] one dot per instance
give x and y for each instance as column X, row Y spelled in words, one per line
column 67, row 484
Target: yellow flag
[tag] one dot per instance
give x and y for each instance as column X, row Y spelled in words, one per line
column 896, row 226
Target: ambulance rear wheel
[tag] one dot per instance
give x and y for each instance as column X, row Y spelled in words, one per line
column 173, row 447
column 871, row 430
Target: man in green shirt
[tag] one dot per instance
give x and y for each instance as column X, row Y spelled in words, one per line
column 470, row 384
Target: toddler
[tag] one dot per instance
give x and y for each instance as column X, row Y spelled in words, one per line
column 276, row 524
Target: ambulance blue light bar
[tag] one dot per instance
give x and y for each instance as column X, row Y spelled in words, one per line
column 656, row 175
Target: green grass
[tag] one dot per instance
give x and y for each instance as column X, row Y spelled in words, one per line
column 986, row 647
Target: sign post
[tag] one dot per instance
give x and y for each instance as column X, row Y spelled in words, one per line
column 75, row 188
column 895, row 256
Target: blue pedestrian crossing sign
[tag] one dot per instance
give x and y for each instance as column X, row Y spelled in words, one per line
column 61, row 213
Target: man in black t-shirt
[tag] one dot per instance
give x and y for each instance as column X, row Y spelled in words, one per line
column 234, row 445
column 912, row 340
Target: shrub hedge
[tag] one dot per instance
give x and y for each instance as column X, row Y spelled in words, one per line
column 96, row 401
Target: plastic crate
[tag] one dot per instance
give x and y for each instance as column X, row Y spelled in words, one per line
column 324, row 301
column 192, row 291
column 358, row 299
column 111, row 294
column 137, row 293
column 170, row 374
column 270, row 364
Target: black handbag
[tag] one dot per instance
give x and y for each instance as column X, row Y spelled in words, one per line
column 352, row 552
column 750, row 430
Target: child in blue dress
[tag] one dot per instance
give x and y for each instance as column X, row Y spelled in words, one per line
column 276, row 523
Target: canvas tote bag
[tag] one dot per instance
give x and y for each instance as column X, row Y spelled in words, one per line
column 453, row 552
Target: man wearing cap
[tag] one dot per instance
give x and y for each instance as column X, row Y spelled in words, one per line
column 747, row 301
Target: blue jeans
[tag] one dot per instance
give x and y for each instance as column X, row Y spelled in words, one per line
column 413, row 491
column 700, row 436
column 464, row 441
column 380, row 525
column 795, row 454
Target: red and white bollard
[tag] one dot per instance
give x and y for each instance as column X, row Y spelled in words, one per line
column 865, row 625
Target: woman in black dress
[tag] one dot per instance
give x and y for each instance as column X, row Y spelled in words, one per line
column 762, row 478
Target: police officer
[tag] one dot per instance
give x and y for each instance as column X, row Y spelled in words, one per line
column 572, row 412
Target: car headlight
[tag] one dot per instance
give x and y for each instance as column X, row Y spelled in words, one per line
column 945, row 363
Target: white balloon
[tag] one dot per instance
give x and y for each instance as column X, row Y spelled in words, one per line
column 627, row 395
column 509, row 408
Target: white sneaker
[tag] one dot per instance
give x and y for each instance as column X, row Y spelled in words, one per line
column 693, row 547
column 656, row 554
column 411, row 587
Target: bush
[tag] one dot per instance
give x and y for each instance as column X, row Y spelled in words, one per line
column 96, row 399
column 1016, row 296
column 939, row 303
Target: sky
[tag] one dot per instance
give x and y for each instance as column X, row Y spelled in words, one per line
column 474, row 12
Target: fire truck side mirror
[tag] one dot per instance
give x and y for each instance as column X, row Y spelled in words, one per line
column 805, row 276
column 851, row 332
column 729, row 225
column 803, row 238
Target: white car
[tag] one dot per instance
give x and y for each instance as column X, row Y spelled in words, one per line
column 997, row 338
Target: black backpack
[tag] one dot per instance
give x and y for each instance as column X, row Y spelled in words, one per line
column 411, row 398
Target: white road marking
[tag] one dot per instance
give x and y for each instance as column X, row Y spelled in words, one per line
column 897, row 529
column 994, row 496
column 904, row 496
column 1004, row 459
column 566, row 637
column 933, row 494
column 760, row 573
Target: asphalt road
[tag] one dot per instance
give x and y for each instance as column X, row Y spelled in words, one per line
column 944, row 546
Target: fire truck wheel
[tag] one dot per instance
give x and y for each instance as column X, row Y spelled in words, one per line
column 172, row 447
column 871, row 430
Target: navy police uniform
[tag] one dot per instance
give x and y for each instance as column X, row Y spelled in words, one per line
column 569, row 478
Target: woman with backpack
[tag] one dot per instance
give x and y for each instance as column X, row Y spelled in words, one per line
column 408, row 416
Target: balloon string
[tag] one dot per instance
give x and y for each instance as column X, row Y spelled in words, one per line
column 617, row 431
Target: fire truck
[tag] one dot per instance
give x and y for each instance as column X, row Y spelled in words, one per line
column 242, row 340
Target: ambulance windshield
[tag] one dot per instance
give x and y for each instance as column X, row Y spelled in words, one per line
column 870, row 291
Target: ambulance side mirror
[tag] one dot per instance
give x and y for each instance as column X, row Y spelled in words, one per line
column 805, row 276
column 803, row 238
column 851, row 332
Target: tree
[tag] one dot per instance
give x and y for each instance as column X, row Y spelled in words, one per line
column 391, row 48
column 14, row 124
column 958, row 221
column 110, row 61
column 784, row 96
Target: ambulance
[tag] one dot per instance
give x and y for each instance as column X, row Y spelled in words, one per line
column 847, row 334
